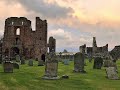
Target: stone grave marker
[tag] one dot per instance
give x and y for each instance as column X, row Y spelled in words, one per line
column 30, row 62
column 17, row 58
column 98, row 62
column 8, row 66
column 112, row 73
column 22, row 61
column 51, row 67
column 66, row 62
column 79, row 63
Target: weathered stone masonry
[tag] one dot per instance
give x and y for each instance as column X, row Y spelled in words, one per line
column 19, row 38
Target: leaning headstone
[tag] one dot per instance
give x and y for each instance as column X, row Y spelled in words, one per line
column 40, row 63
column 51, row 67
column 66, row 62
column 30, row 62
column 8, row 66
column 112, row 73
column 16, row 65
column 98, row 62
column 79, row 62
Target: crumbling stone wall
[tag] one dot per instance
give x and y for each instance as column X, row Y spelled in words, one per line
column 93, row 51
column 28, row 43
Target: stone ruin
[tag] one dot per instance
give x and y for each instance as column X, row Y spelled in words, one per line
column 94, row 50
column 52, row 48
column 103, row 58
column 20, row 39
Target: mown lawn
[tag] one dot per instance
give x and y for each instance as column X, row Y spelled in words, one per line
column 29, row 78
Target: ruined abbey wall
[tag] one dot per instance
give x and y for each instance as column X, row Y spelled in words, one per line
column 28, row 43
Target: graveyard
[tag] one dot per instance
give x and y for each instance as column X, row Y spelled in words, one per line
column 30, row 77
column 59, row 45
column 29, row 60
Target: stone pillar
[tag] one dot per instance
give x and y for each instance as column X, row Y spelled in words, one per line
column 94, row 45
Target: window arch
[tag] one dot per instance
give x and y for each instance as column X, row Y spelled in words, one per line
column 18, row 31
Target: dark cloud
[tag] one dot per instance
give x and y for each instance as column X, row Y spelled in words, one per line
column 52, row 10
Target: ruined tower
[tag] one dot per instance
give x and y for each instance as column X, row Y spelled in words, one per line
column 20, row 39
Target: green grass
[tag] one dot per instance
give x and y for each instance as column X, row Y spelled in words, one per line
column 29, row 78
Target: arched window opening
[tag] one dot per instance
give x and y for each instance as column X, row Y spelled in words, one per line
column 18, row 31
column 22, row 22
column 12, row 22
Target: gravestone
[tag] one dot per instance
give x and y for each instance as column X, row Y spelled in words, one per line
column 8, row 66
column 66, row 62
column 22, row 61
column 112, row 73
column 17, row 58
column 16, row 65
column 79, row 62
column 98, row 62
column 51, row 67
column 30, row 62
column 40, row 63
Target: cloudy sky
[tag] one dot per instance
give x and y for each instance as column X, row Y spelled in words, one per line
column 71, row 22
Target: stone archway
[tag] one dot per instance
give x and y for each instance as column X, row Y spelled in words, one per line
column 15, row 51
column 43, row 57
